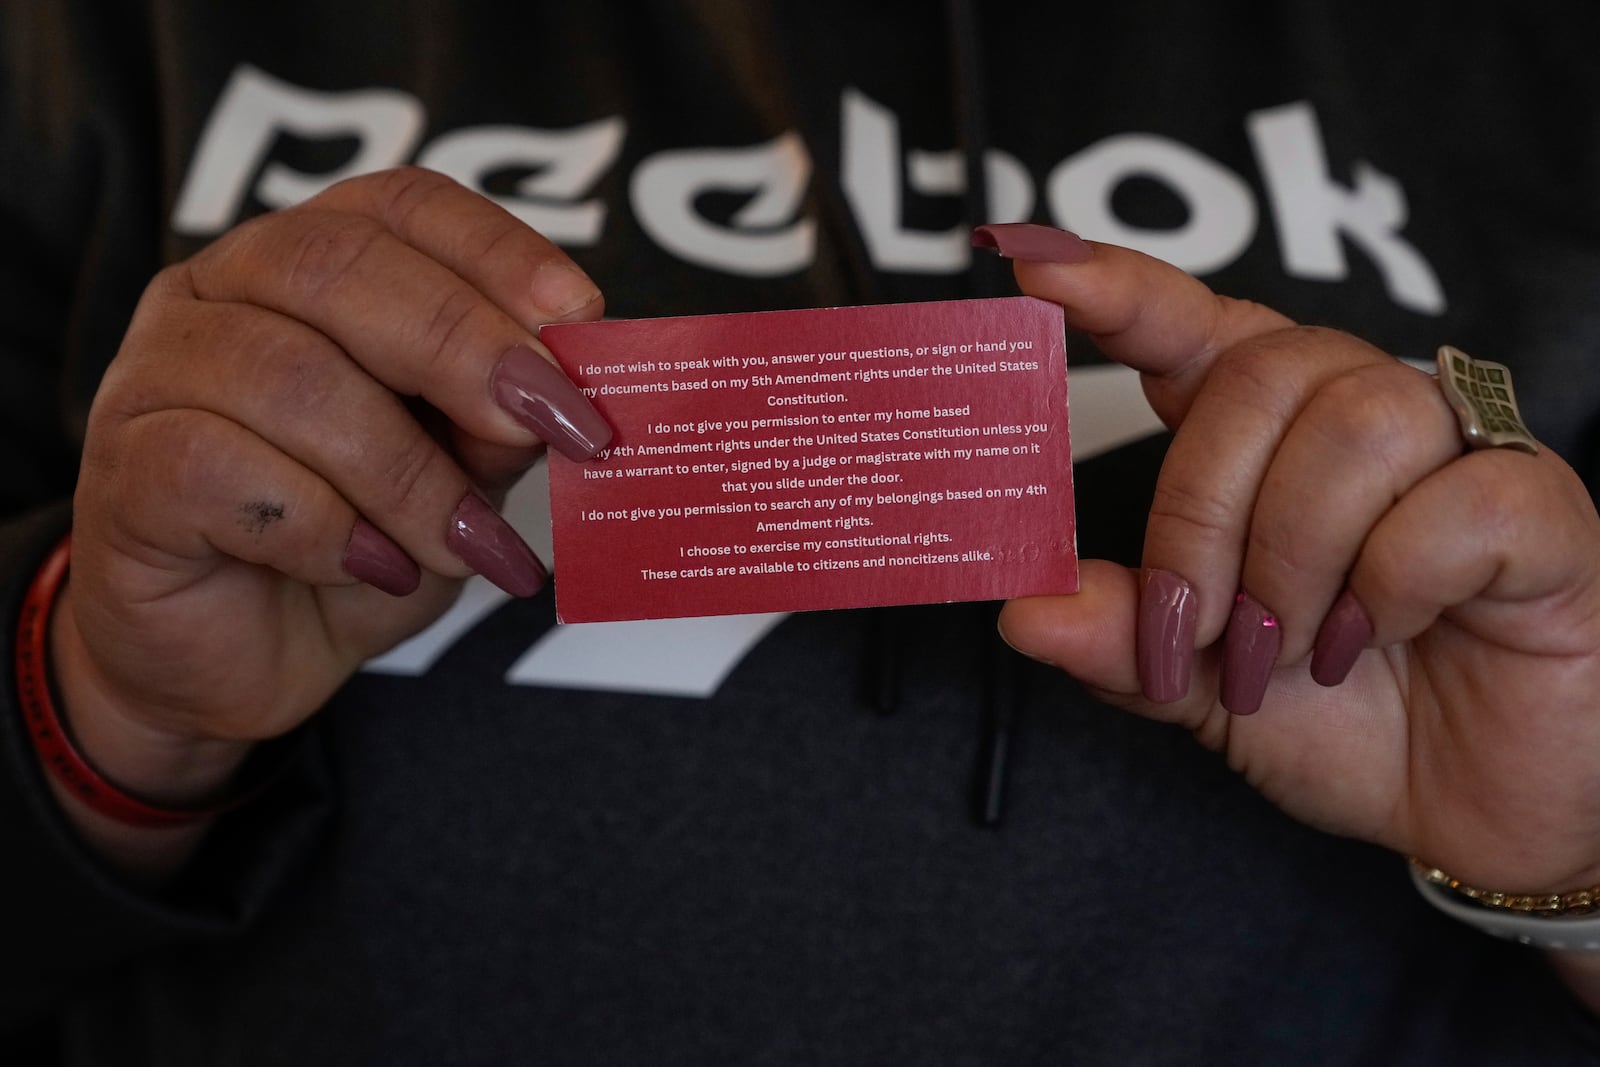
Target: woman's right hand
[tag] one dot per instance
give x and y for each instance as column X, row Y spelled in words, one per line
column 294, row 461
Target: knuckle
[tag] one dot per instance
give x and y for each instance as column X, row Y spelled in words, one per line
column 451, row 327
column 1268, row 372
column 176, row 281
column 1374, row 415
column 1388, row 567
column 412, row 474
column 1250, row 375
column 190, row 473
column 295, row 371
column 163, row 319
column 126, row 391
column 1264, row 352
column 242, row 243
column 1306, row 339
column 1193, row 515
column 181, row 453
column 325, row 249
column 1274, row 546
column 405, row 192
column 1231, row 310
column 215, row 272
column 1308, row 336
column 1353, row 414
column 492, row 240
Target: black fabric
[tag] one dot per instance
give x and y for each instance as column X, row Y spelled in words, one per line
column 455, row 869
column 69, row 917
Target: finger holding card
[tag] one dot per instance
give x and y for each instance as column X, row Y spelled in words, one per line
column 1319, row 522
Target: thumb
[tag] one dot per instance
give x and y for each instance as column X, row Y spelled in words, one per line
column 1140, row 311
column 1089, row 634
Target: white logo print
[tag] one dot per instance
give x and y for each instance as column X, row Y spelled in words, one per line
column 1312, row 214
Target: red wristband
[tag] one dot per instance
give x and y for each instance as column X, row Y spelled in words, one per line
column 49, row 734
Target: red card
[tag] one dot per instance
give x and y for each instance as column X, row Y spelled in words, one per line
column 830, row 458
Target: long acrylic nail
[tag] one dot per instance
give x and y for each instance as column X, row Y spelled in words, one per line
column 371, row 557
column 1029, row 241
column 541, row 398
column 1249, row 653
column 1341, row 639
column 484, row 541
column 1167, row 615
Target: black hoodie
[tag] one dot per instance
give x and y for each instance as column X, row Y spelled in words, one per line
column 791, row 842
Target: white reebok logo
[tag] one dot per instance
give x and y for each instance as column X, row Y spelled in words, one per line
column 1315, row 217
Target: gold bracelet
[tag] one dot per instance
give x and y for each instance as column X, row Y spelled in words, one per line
column 1544, row 905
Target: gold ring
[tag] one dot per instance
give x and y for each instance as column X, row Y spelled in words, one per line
column 1480, row 394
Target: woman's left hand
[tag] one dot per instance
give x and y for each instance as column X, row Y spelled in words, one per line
column 1318, row 514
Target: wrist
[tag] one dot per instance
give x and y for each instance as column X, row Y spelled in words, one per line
column 1567, row 922
column 119, row 765
column 160, row 767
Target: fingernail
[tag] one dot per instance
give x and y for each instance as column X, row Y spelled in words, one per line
column 371, row 557
column 1249, row 653
column 1029, row 241
column 484, row 541
column 562, row 289
column 1340, row 641
column 1166, row 636
column 545, row 401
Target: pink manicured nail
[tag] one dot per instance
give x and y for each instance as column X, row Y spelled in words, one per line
column 544, row 400
column 1167, row 617
column 1340, row 641
column 1026, row 240
column 484, row 541
column 1249, row 653
column 372, row 558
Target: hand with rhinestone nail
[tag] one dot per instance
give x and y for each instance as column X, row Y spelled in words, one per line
column 1391, row 636
column 294, row 460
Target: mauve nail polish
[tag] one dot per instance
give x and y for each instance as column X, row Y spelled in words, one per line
column 1249, row 653
column 1341, row 639
column 1167, row 618
column 1038, row 244
column 484, row 541
column 372, row 558
column 544, row 400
